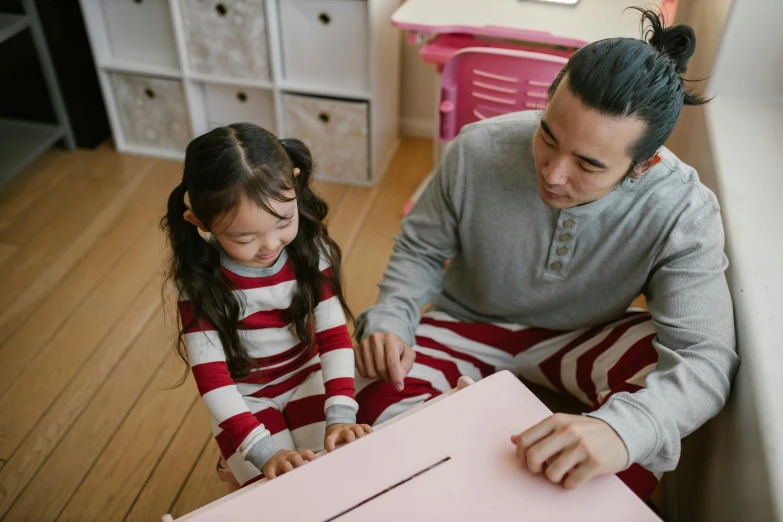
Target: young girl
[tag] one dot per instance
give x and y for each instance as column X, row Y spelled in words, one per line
column 261, row 304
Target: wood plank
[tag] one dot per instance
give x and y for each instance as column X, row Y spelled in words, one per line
column 39, row 385
column 23, row 229
column 60, row 244
column 127, row 462
column 28, row 209
column 93, row 169
column 106, row 165
column 640, row 301
column 51, row 202
column 349, row 218
column 22, row 191
column 55, row 457
column 202, row 486
column 139, row 214
column 332, row 193
column 6, row 251
column 365, row 265
column 174, row 468
column 47, row 210
column 42, row 281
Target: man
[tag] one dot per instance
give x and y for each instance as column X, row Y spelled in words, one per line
column 554, row 223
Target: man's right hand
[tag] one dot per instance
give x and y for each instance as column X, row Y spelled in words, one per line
column 384, row 356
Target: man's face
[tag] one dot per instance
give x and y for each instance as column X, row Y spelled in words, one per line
column 581, row 155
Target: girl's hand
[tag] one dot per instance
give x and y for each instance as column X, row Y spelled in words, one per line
column 337, row 433
column 571, row 449
column 286, row 460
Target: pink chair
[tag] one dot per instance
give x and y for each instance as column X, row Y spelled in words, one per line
column 481, row 82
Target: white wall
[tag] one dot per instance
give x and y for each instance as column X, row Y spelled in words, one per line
column 731, row 468
column 417, row 93
column 689, row 139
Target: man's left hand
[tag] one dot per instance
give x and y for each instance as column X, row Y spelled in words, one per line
column 571, row 449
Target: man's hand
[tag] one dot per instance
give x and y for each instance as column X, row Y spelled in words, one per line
column 384, row 356
column 571, row 449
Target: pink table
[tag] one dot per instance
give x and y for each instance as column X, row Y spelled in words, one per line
column 462, row 465
column 587, row 21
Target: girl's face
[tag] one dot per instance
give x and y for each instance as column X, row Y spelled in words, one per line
column 581, row 155
column 255, row 237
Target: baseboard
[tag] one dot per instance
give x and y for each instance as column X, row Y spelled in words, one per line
column 381, row 172
column 417, row 127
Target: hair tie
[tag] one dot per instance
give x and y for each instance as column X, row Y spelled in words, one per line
column 185, row 195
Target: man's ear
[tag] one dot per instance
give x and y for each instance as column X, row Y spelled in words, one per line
column 190, row 217
column 641, row 169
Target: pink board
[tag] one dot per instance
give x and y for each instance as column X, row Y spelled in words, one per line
column 473, row 473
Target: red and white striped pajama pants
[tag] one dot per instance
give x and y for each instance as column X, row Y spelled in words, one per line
column 293, row 412
column 589, row 364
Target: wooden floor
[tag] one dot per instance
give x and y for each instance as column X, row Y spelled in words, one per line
column 90, row 427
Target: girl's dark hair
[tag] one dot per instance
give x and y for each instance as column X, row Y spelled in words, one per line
column 636, row 78
column 221, row 167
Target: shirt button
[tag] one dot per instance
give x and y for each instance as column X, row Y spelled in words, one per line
column 569, row 224
column 556, row 266
column 562, row 251
column 565, row 237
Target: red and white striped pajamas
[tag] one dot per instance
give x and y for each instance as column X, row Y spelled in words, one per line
column 286, row 396
column 589, row 364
